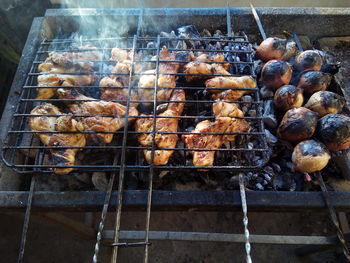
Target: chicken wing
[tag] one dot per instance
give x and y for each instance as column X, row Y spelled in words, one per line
column 225, row 122
column 60, row 157
column 66, row 62
column 165, row 81
column 174, row 109
column 199, row 66
column 97, row 107
column 120, row 82
column 231, row 83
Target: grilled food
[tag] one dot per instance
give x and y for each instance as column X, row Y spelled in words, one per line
column 325, row 102
column 288, row 97
column 310, row 156
column 174, row 109
column 225, row 122
column 231, row 83
column 297, row 124
column 314, row 81
column 275, row 74
column 60, row 157
column 334, row 131
column 308, row 60
column 276, row 48
column 111, row 123
column 165, row 81
column 66, row 62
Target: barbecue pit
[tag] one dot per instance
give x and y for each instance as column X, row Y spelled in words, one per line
column 43, row 34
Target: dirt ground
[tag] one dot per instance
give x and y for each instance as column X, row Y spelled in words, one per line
column 51, row 243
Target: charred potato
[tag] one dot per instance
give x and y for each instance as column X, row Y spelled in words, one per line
column 288, row 97
column 297, row 124
column 325, row 102
column 310, row 156
column 276, row 73
column 308, row 60
column 275, row 48
column 334, row 131
column 314, row 81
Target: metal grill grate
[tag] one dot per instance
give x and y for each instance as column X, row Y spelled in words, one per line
column 238, row 155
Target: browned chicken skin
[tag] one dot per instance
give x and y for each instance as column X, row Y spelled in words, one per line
column 231, row 83
column 174, row 109
column 66, row 62
column 199, row 66
column 147, row 80
column 97, row 107
column 60, row 157
column 225, row 122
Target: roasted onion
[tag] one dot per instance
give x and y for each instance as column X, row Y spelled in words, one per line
column 275, row 48
column 308, row 60
column 325, row 102
column 334, row 131
column 314, row 81
column 297, row 124
column 276, row 73
column 288, row 97
column 310, row 156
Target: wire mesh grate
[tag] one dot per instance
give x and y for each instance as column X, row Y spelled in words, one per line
column 22, row 144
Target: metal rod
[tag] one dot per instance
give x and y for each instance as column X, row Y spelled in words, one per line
column 258, row 22
column 297, row 41
column 333, row 215
column 26, row 221
column 104, row 213
column 245, row 217
column 122, row 163
column 151, row 171
column 223, row 237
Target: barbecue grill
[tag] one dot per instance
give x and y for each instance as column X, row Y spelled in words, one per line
column 124, row 155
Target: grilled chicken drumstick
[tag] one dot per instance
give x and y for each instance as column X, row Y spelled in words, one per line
column 165, row 81
column 174, row 109
column 97, row 107
column 60, row 157
column 123, row 66
column 199, row 66
column 225, row 122
column 244, row 82
column 66, row 62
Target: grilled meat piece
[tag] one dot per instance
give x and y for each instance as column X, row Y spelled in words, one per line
column 66, row 62
column 97, row 107
column 60, row 157
column 174, row 109
column 225, row 122
column 231, row 83
column 165, row 81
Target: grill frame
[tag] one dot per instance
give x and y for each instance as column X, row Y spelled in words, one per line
column 27, row 98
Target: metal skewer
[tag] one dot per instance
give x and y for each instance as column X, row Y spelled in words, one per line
column 257, row 20
column 333, row 215
column 241, row 179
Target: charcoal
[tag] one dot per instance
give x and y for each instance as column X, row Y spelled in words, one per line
column 247, row 98
column 252, row 113
column 259, row 187
column 99, row 180
column 206, row 33
column 267, row 177
column 271, row 139
column 276, row 167
column 269, row 114
column 266, row 92
column 284, row 181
